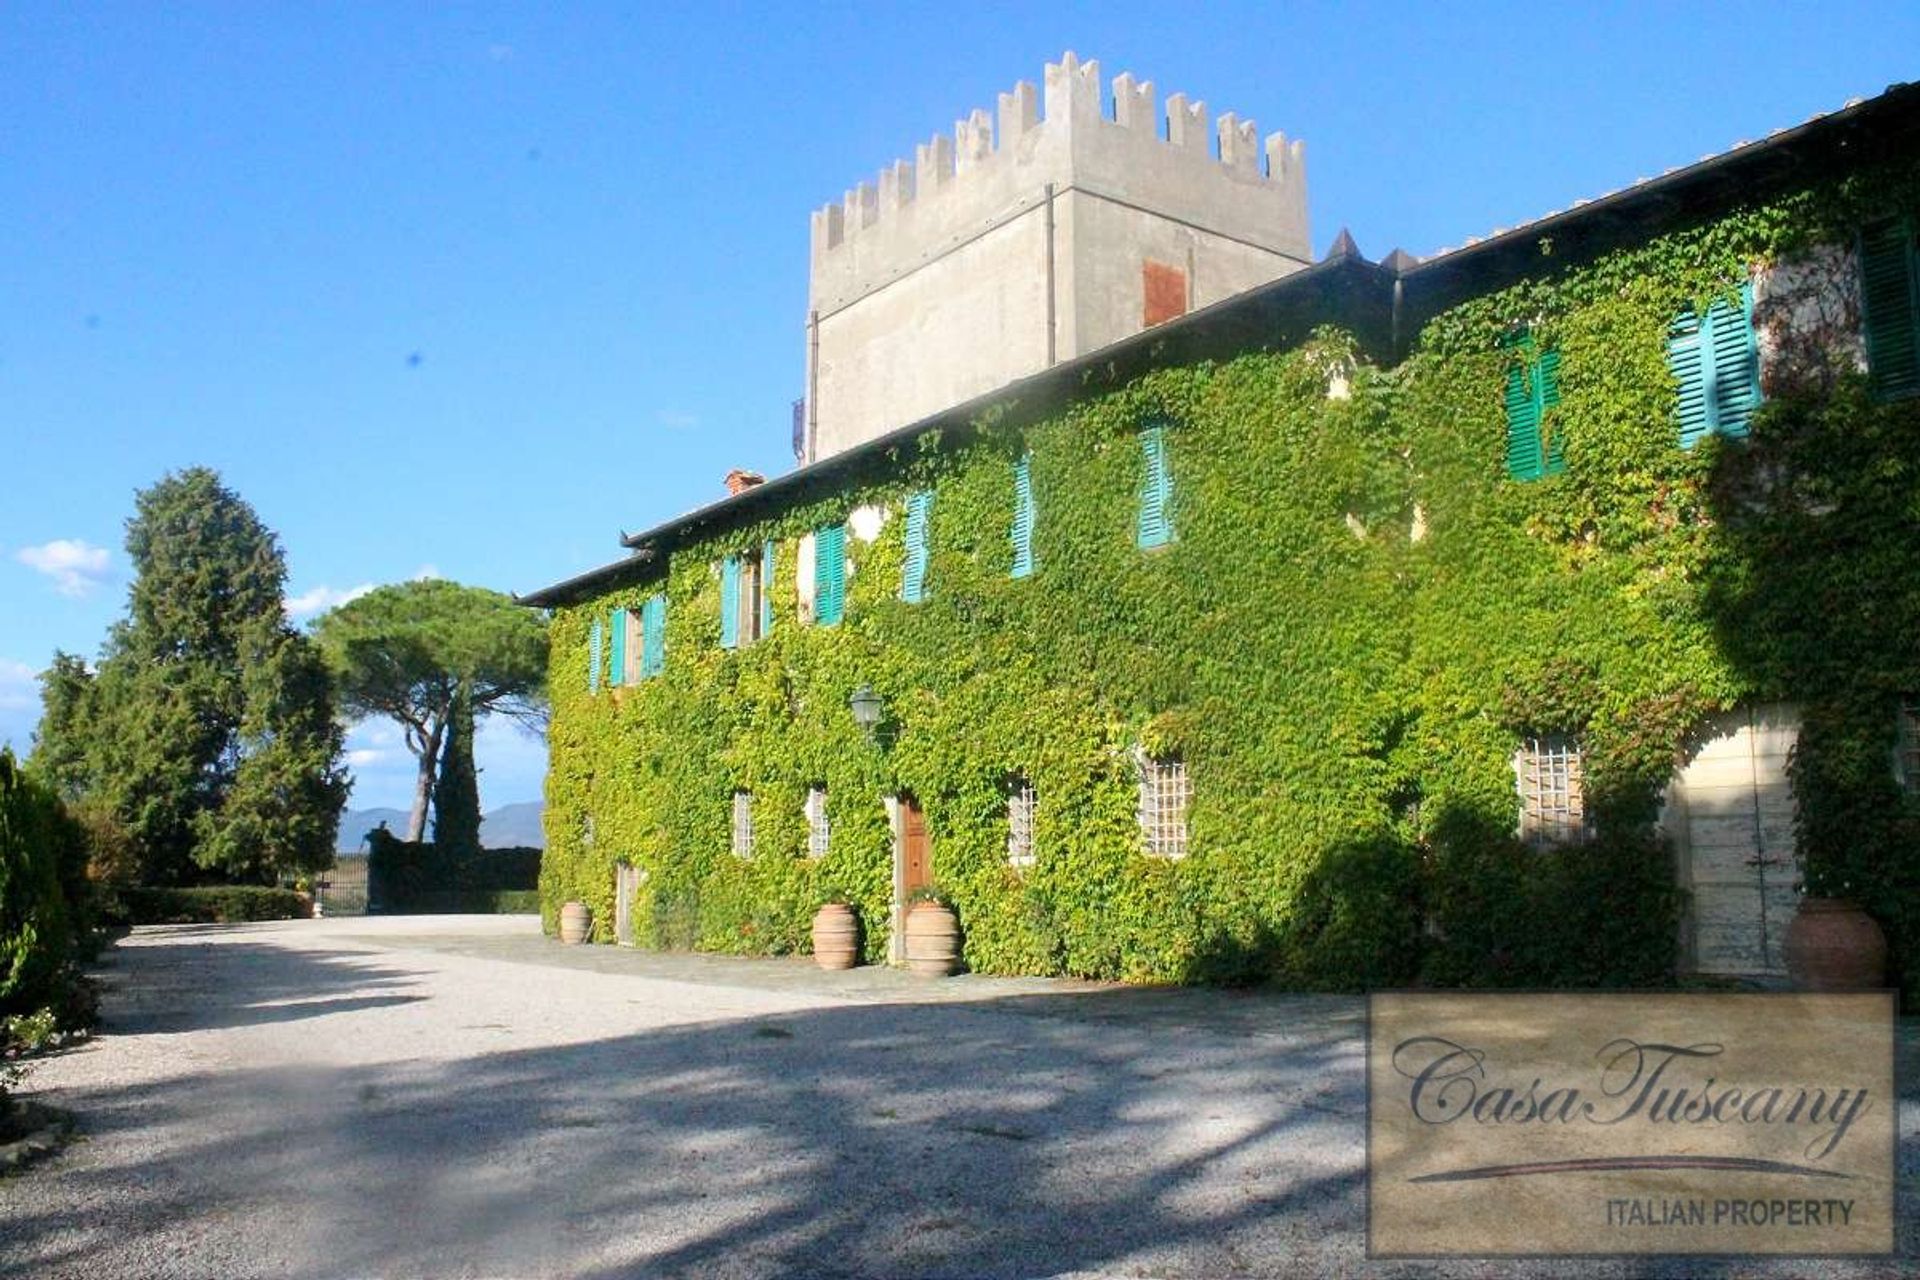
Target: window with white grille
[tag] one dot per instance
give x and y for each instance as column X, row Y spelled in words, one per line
column 743, row 824
column 1164, row 792
column 1021, row 802
column 1552, row 806
column 819, row 833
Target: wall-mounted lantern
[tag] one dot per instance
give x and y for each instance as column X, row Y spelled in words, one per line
column 867, row 708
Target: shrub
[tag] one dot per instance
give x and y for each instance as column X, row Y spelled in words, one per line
column 409, row 877
column 37, row 846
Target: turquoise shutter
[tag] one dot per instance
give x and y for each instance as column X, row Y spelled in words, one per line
column 1533, row 387
column 766, row 588
column 1686, row 356
column 1523, row 427
column 653, row 635
column 1156, row 488
column 913, row 578
column 1546, row 394
column 618, row 674
column 1887, row 292
column 829, row 574
column 596, row 654
column 1023, row 516
column 730, row 602
column 1733, row 364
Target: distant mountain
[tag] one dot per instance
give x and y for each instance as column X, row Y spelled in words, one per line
column 514, row 826
column 509, row 826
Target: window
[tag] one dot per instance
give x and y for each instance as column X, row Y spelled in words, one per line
column 1023, row 517
column 913, row 575
column 1156, row 488
column 596, row 654
column 1164, row 792
column 1552, row 805
column 653, row 635
column 829, row 574
column 1717, row 363
column 1164, row 293
column 1021, row 802
column 742, row 602
column 1533, row 387
column 620, row 631
column 819, row 832
column 1890, row 298
column 1906, row 750
column 743, row 824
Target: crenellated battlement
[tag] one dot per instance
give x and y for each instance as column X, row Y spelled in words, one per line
column 1024, row 132
column 1075, row 213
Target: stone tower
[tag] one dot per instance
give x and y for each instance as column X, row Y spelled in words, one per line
column 1002, row 251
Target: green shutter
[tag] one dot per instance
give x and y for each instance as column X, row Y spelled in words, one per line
column 653, row 635
column 596, row 655
column 1533, row 387
column 1733, row 379
column 1716, row 361
column 766, row 588
column 1023, row 516
column 617, row 675
column 829, row 574
column 730, row 602
column 1156, row 488
column 1686, row 356
column 1888, row 294
column 1546, row 394
column 913, row 578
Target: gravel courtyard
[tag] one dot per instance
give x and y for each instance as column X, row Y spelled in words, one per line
column 458, row 1096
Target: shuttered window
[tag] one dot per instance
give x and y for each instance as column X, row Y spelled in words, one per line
column 1022, row 804
column 743, row 824
column 617, row 671
column 653, row 635
column 1156, row 487
column 913, row 575
column 1533, row 387
column 596, row 654
column 1023, row 516
column 1890, row 295
column 766, row 588
column 730, row 602
column 1717, row 364
column 829, row 574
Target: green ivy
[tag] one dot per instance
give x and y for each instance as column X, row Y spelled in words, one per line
column 1359, row 618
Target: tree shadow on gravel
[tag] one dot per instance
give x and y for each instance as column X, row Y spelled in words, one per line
column 282, row 985
column 1020, row 1136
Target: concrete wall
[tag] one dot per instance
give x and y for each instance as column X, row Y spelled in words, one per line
column 930, row 285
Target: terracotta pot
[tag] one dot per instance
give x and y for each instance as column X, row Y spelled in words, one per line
column 1833, row 945
column 933, row 940
column 836, row 937
column 576, row 921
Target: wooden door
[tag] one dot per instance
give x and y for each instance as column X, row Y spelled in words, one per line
column 626, row 885
column 916, row 850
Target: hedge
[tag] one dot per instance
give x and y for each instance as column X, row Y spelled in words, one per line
column 417, row 878
column 212, row 904
column 41, row 884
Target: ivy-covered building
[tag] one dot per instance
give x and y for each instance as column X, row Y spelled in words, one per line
column 1542, row 611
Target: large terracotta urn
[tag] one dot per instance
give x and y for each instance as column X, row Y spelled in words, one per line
column 576, row 921
column 933, row 940
column 836, row 937
column 1834, row 945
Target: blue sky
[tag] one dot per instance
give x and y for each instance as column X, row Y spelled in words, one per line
column 466, row 290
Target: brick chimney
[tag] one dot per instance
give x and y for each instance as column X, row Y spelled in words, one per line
column 739, row 480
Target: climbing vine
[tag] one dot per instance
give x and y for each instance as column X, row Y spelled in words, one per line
column 1358, row 618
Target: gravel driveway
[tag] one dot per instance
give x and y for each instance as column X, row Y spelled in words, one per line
column 457, row 1096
